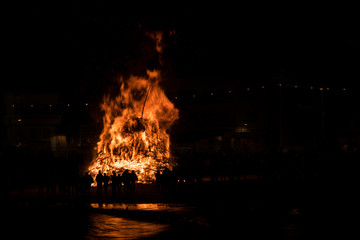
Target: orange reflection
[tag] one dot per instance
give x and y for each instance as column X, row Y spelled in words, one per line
column 107, row 226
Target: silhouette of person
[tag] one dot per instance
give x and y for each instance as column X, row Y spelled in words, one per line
column 114, row 183
column 99, row 181
column 133, row 179
column 106, row 183
column 119, row 183
column 126, row 180
column 88, row 180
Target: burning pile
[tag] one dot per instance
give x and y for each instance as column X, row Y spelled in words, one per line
column 134, row 136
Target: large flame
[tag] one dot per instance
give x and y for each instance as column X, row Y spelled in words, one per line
column 135, row 135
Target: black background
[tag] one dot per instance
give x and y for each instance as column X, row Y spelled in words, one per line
column 84, row 47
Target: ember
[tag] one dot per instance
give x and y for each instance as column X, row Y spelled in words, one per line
column 134, row 136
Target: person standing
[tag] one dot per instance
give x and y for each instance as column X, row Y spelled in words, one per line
column 126, row 180
column 133, row 179
column 87, row 181
column 119, row 183
column 106, row 183
column 114, row 183
column 99, row 182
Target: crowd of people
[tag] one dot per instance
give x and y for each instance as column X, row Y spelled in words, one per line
column 81, row 185
column 118, row 182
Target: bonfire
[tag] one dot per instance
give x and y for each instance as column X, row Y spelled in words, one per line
column 134, row 136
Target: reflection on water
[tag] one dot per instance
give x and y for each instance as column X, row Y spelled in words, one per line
column 107, row 226
column 213, row 221
column 114, row 224
column 161, row 221
column 143, row 207
column 110, row 226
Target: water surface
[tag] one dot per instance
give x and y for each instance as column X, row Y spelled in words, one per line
column 107, row 226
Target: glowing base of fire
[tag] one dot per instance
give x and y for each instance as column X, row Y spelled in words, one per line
column 138, row 144
column 145, row 168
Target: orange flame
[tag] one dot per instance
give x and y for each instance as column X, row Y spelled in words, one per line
column 135, row 135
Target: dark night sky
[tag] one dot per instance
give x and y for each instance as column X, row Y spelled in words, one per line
column 83, row 47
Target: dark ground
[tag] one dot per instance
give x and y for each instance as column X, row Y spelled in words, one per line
column 252, row 209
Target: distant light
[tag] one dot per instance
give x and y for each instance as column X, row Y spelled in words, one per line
column 212, row 94
column 262, row 86
column 13, row 105
column 344, row 89
column 175, row 97
column 229, row 91
column 194, row 95
column 327, row 89
column 296, row 86
column 50, row 105
column 19, row 120
column 280, row 85
column 86, row 104
column 321, row 89
column 68, row 105
column 311, row 87
column 241, row 129
column 247, row 89
column 245, row 124
column 31, row 105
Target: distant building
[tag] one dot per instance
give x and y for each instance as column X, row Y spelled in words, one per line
column 42, row 122
column 261, row 119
